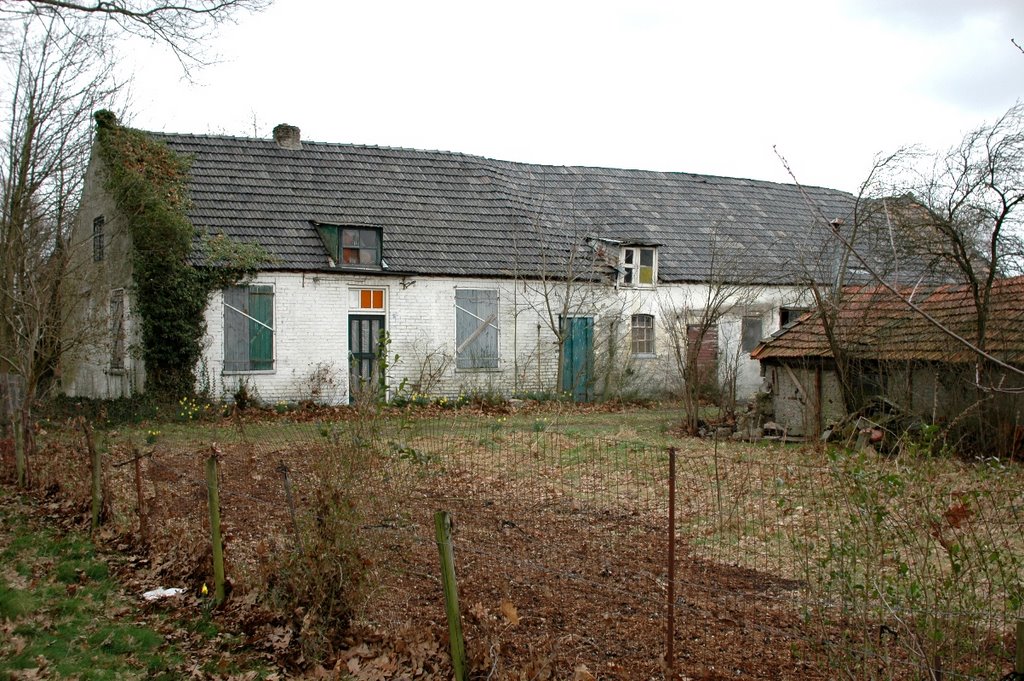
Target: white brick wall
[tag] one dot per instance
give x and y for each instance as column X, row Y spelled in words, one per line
column 311, row 321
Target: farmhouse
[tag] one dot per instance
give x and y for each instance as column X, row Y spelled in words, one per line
column 440, row 273
column 895, row 353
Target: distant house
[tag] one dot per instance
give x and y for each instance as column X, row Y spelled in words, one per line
column 896, row 354
column 469, row 265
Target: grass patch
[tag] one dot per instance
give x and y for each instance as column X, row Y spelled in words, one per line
column 64, row 614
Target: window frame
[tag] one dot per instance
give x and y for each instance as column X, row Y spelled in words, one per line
column 477, row 362
column 258, row 289
column 632, row 266
column 118, row 336
column 744, row 335
column 788, row 315
column 98, row 240
column 642, row 335
column 334, row 238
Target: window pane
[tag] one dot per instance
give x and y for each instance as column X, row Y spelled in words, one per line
column 366, row 298
column 643, row 334
column 360, row 246
column 646, row 275
column 751, row 333
column 97, row 238
column 378, row 300
column 627, row 256
column 647, row 257
column 117, row 329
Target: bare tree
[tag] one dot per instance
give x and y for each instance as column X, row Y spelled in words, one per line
column 693, row 328
column 563, row 270
column 58, row 78
column 956, row 217
column 966, row 212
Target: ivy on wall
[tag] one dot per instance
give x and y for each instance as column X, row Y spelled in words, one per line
column 149, row 185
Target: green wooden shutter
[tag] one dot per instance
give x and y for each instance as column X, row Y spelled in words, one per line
column 261, row 325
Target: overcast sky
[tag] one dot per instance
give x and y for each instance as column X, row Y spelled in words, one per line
column 703, row 87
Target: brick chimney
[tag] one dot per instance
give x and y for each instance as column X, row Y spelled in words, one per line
column 287, row 136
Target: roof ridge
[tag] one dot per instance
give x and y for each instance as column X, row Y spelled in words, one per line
column 488, row 161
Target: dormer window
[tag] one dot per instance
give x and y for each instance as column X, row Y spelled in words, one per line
column 352, row 246
column 639, row 265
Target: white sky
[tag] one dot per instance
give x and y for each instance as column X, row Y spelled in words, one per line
column 703, row 86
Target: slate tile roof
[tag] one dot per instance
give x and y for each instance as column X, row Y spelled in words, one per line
column 875, row 324
column 453, row 214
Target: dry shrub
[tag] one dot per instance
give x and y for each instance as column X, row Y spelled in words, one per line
column 321, row 581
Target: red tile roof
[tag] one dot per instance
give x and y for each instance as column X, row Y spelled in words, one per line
column 873, row 323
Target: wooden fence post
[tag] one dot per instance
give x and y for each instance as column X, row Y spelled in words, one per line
column 1018, row 663
column 443, row 533
column 20, row 467
column 96, row 465
column 213, row 496
column 283, row 470
column 140, row 499
column 670, row 629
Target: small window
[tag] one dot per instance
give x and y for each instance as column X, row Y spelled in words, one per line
column 476, row 329
column 248, row 328
column 366, row 298
column 117, row 335
column 352, row 246
column 790, row 314
column 639, row 266
column 97, row 238
column 751, row 331
column 643, row 334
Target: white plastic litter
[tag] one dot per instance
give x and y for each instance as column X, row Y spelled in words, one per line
column 157, row 594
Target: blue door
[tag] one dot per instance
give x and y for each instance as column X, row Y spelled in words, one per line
column 578, row 359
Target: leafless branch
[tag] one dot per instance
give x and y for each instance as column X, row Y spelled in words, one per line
column 181, row 26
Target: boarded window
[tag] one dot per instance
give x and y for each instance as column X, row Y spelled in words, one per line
column 751, row 330
column 643, row 334
column 98, row 225
column 476, row 329
column 117, row 334
column 249, row 328
column 706, row 347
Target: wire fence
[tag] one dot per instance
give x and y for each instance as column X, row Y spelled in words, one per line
column 790, row 563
